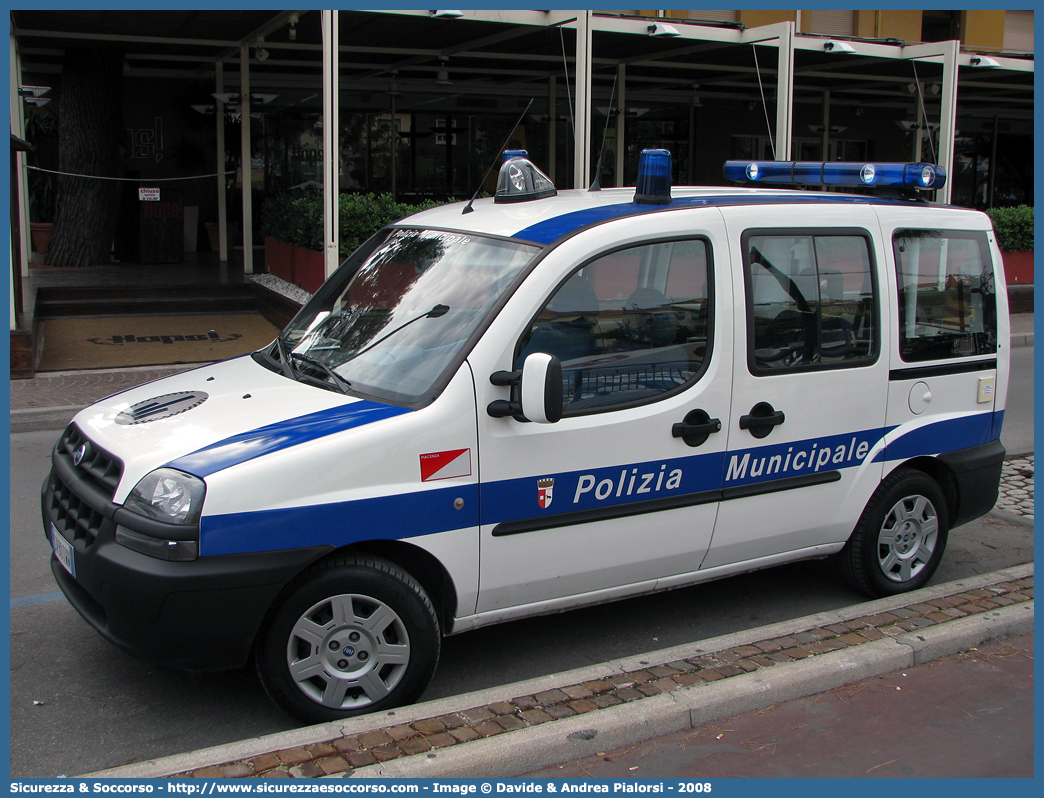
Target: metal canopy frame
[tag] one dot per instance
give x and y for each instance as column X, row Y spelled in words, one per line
column 519, row 54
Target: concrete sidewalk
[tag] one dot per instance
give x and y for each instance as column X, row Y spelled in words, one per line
column 521, row 728
column 963, row 716
column 51, row 399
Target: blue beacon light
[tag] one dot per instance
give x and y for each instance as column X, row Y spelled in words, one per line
column 832, row 173
column 654, row 178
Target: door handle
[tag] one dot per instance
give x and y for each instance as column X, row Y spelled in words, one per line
column 763, row 417
column 696, row 427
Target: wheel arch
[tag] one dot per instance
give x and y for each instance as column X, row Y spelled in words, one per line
column 943, row 476
column 418, row 563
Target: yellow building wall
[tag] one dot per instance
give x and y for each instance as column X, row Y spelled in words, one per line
column 755, row 19
column 982, row 29
column 890, row 24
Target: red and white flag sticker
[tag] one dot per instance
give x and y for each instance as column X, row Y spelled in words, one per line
column 445, row 465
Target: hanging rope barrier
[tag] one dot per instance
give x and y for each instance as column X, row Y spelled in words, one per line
column 133, row 179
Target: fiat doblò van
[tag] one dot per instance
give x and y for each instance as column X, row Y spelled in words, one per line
column 545, row 400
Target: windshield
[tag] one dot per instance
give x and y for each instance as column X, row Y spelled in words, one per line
column 391, row 325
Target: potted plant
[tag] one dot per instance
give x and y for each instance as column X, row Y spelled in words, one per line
column 41, row 128
column 1014, row 228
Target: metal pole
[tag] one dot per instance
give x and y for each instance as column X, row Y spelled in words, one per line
column 552, row 126
column 18, row 128
column 391, row 145
column 922, row 123
column 246, row 171
column 947, row 124
column 825, row 139
column 621, row 124
column 785, row 94
column 582, row 138
column 691, row 171
column 222, row 181
column 993, row 163
column 331, row 110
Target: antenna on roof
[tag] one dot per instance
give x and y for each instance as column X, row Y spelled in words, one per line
column 468, row 208
column 595, row 185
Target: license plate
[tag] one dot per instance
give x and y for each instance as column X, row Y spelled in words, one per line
column 63, row 550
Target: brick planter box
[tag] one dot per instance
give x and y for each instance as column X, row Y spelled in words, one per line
column 298, row 265
column 1018, row 267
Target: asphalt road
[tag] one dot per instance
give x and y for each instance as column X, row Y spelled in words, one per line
column 79, row 704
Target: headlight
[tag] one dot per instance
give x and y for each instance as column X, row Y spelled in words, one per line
column 168, row 495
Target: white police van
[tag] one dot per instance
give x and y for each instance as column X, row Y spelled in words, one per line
column 546, row 400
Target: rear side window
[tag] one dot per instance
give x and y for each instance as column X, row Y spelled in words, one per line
column 630, row 326
column 810, row 300
column 947, row 294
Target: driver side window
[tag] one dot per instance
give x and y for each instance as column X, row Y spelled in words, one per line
column 630, row 326
column 810, row 301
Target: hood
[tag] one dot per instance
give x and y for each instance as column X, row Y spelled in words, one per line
column 211, row 418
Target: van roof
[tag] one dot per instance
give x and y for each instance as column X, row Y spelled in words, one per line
column 543, row 221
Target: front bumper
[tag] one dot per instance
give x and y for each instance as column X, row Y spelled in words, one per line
column 203, row 614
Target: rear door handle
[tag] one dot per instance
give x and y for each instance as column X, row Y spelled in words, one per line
column 763, row 417
column 696, row 427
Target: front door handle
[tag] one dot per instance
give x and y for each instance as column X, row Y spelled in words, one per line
column 763, row 417
column 696, row 427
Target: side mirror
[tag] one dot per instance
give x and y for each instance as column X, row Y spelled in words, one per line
column 542, row 388
column 539, row 385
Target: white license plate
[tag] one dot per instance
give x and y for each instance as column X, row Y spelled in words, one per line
column 63, row 550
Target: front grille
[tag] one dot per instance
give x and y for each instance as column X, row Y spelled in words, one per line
column 73, row 517
column 99, row 466
column 98, row 473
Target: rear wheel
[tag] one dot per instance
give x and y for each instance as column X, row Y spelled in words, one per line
column 900, row 538
column 350, row 636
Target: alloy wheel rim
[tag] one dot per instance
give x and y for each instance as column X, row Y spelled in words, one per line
column 908, row 538
column 348, row 651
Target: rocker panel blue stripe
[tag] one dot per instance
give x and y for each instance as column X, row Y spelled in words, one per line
column 425, row 512
column 950, row 435
column 403, row 515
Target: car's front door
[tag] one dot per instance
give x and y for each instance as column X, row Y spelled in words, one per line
column 620, row 492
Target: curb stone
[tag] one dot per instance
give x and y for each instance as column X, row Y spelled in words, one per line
column 628, row 725
column 646, row 690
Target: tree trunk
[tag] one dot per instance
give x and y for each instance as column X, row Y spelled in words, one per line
column 90, row 113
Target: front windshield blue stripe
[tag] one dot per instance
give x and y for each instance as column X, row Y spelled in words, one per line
column 552, row 229
column 282, row 435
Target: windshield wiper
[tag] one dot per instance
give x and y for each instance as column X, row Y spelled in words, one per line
column 434, row 313
column 284, row 358
column 338, row 380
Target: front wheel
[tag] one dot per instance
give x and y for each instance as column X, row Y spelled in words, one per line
column 350, row 636
column 900, row 538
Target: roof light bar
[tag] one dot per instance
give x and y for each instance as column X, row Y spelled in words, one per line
column 654, row 178
column 507, row 155
column 924, row 176
column 521, row 181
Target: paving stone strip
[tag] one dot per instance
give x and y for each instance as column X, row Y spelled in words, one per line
column 342, row 755
column 1016, row 486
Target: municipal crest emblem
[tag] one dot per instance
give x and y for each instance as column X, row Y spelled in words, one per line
column 544, row 491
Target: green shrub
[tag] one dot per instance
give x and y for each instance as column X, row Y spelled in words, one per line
column 297, row 217
column 1014, row 227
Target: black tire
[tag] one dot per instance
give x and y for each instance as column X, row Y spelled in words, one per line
column 900, row 538
column 348, row 636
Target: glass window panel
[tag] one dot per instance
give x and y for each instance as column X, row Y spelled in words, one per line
column 629, row 327
column 811, row 301
column 947, row 302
